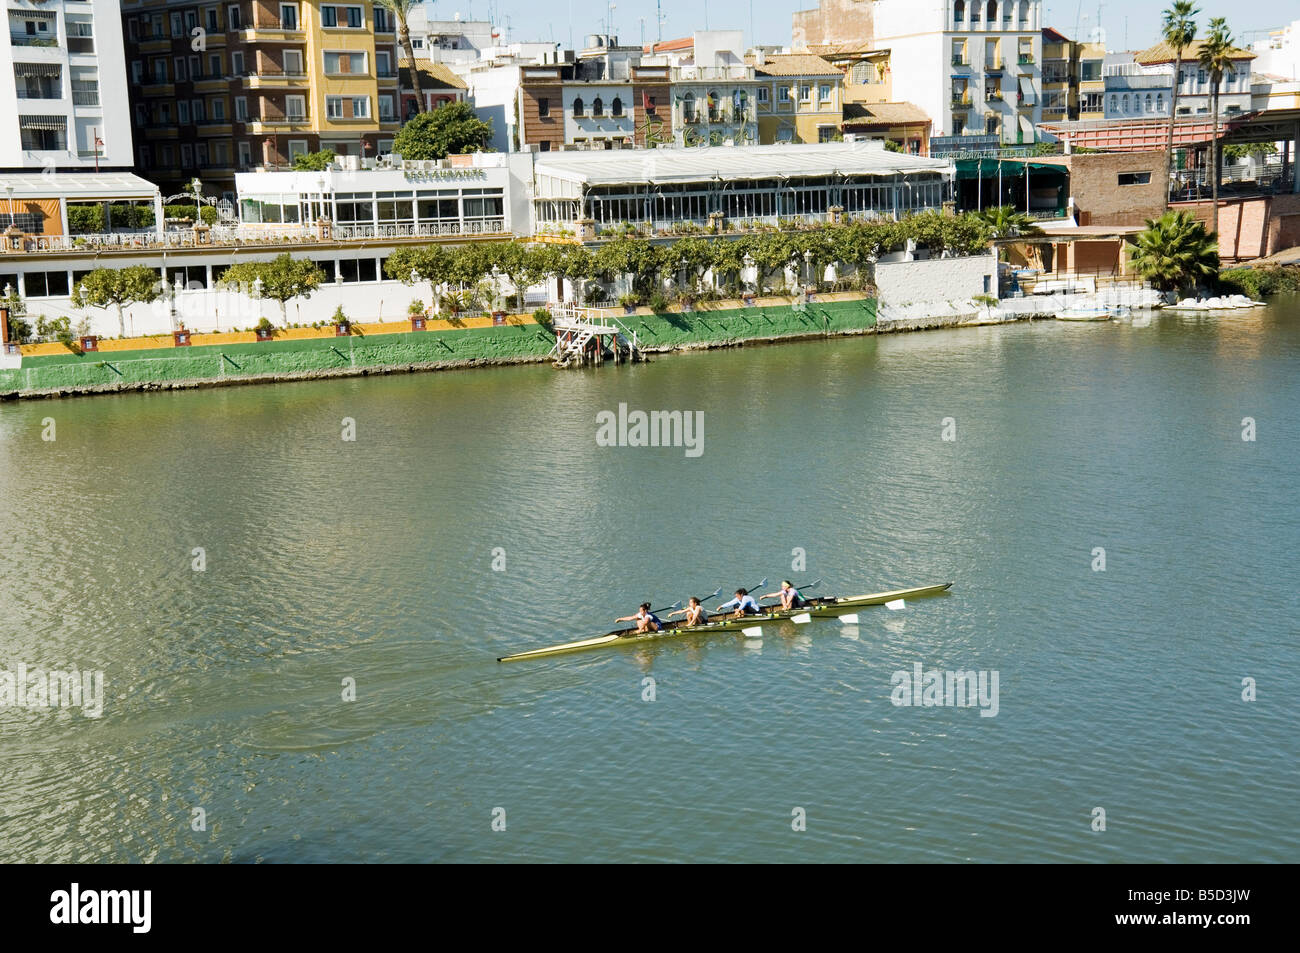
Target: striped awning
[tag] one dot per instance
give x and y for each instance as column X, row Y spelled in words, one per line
column 51, row 123
column 23, row 70
column 31, row 14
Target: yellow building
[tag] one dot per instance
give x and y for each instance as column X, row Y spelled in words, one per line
column 799, row 98
column 1092, row 87
column 222, row 87
column 1060, row 77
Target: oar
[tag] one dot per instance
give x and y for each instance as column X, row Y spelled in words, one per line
column 678, row 603
column 761, row 583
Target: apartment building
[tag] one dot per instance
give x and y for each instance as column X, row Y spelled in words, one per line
column 593, row 103
column 1091, row 59
column 1060, row 76
column 799, row 97
column 61, row 65
column 236, row 86
column 972, row 66
column 1140, row 85
column 1279, row 54
column 713, row 90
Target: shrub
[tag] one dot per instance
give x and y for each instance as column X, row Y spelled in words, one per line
column 1261, row 282
column 416, row 308
column 658, row 302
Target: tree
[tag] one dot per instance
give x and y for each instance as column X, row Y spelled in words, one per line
column 313, row 161
column 1004, row 221
column 115, row 287
column 1175, row 251
column 1216, row 59
column 281, row 279
column 1179, row 30
column 432, row 263
column 450, row 129
column 401, row 10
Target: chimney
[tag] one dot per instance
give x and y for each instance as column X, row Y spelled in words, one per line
column 760, row 56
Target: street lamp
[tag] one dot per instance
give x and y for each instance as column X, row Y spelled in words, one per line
column 751, row 277
column 808, row 260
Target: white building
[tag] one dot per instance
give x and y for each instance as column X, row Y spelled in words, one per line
column 1134, row 91
column 714, row 90
column 63, row 87
column 449, row 41
column 973, row 66
column 1279, row 55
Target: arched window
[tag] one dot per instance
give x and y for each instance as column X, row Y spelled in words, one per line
column 959, row 12
column 577, row 106
column 991, row 11
column 1160, row 103
column 1148, row 102
column 1114, row 103
column 688, row 108
column 616, row 107
column 597, row 107
column 1126, row 104
column 1024, row 14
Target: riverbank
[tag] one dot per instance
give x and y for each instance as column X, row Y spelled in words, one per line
column 294, row 357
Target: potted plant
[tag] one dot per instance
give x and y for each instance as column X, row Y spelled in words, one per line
column 180, row 337
column 630, row 302
column 265, row 330
column 417, row 314
column 342, row 326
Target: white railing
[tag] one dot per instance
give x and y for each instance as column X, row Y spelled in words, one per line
column 256, row 235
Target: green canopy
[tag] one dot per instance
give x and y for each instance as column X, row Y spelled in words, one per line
column 1011, row 168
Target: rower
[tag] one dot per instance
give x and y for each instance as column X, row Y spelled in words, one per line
column 789, row 595
column 646, row 621
column 744, row 605
column 694, row 612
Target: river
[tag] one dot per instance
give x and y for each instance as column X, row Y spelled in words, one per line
column 234, row 567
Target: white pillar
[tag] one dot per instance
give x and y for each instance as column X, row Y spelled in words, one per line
column 158, row 226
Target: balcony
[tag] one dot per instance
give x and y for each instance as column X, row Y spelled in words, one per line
column 214, row 127
column 87, row 97
column 272, row 34
column 1026, row 59
column 1025, row 102
column 267, row 79
column 155, row 44
column 273, row 124
column 22, row 38
column 960, row 100
column 961, row 62
column 993, row 65
column 993, row 95
column 159, row 89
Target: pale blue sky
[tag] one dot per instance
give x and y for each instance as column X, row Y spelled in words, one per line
column 1138, row 19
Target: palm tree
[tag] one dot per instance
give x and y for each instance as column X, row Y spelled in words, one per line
column 1216, row 59
column 1175, row 251
column 401, row 9
column 1004, row 221
column 1179, row 31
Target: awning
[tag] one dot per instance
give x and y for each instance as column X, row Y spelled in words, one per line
column 1011, row 168
column 1027, row 90
column 1027, row 127
column 22, row 70
column 51, row 123
column 31, row 14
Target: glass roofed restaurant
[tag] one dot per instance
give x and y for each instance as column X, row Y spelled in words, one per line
column 663, row 188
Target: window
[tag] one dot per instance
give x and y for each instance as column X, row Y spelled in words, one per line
column 288, row 16
column 210, row 16
column 180, row 69
column 616, row 107
column 164, row 114
column 544, row 146
column 297, row 147
column 387, row 109
column 958, row 54
column 762, row 94
column 176, row 23
column 219, row 109
column 578, row 107
column 1135, row 178
column 183, row 112
column 201, row 154
column 1091, row 102
column 329, row 16
column 543, row 107
column 383, row 20
column 241, row 109
column 293, row 62
column 805, row 93
column 1090, row 70
column 245, row 155
column 827, row 133
column 160, row 71
column 196, row 68
column 187, row 156
column 597, row 107
column 295, row 108
column 214, row 65
column 232, row 16
column 360, row 107
column 824, row 92
column 137, row 72
column 237, row 63
column 383, row 61
column 344, row 63
column 196, row 110
column 783, row 94
column 356, row 17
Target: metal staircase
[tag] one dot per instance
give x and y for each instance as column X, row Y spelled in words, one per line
column 576, row 329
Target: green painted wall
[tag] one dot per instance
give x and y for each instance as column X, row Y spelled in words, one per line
column 509, row 344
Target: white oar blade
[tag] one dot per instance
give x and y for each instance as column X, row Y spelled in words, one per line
column 895, row 605
column 802, row 618
column 849, row 619
column 753, row 632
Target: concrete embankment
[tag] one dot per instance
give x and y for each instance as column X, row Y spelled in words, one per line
column 246, row 362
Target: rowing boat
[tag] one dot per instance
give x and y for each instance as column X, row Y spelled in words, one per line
column 822, row 608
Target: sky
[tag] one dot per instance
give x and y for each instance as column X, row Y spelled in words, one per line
column 768, row 21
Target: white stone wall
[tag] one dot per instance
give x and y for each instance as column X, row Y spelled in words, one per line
column 903, row 284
